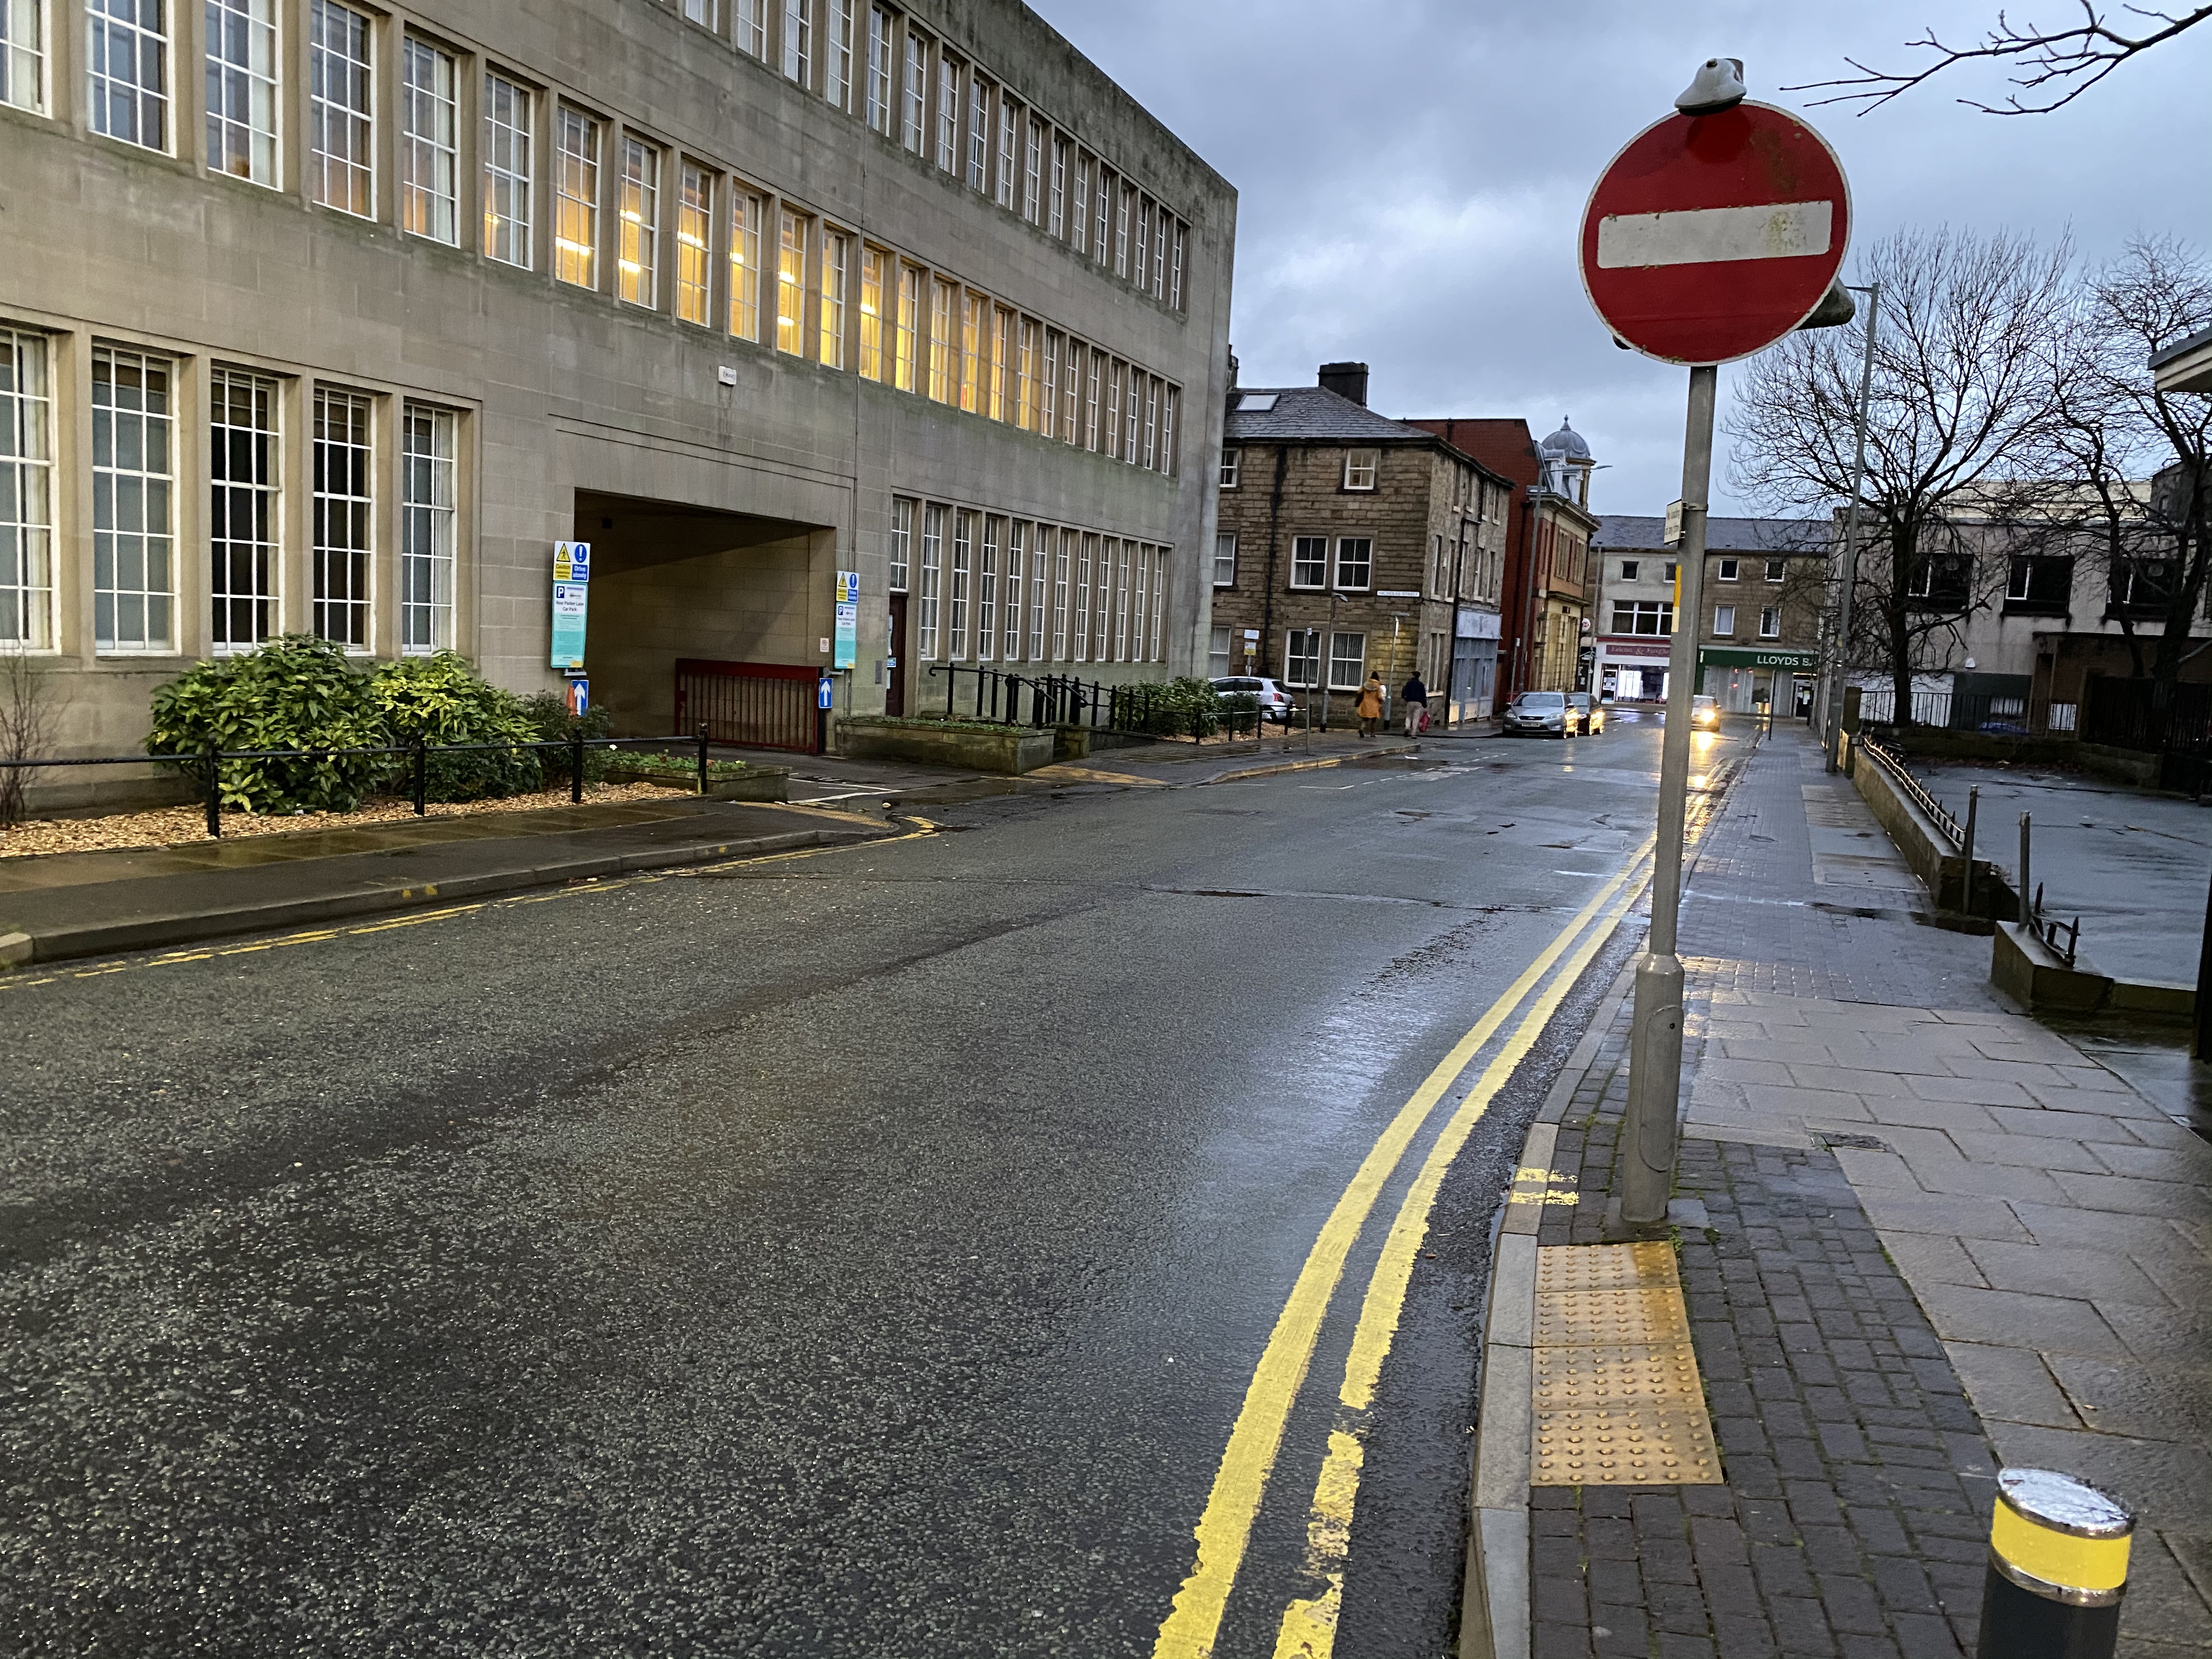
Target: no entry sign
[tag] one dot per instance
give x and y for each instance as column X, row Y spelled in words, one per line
column 1713, row 236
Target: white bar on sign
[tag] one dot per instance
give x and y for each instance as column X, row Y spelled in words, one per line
column 1781, row 230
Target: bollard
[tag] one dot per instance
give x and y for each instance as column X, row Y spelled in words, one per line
column 702, row 756
column 215, row 792
column 2027, row 907
column 1973, row 805
column 2058, row 1565
column 422, row 776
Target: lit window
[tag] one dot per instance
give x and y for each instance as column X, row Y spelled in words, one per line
column 343, row 517
column 972, row 393
column 790, row 284
column 879, row 70
column 1355, row 561
column 242, row 515
column 1026, row 377
column 799, row 41
column 23, row 55
column 1309, row 562
column 837, row 74
column 340, row 110
column 127, row 70
column 1359, row 468
column 1002, row 362
column 27, row 523
column 1049, row 384
column 943, row 380
column 933, row 571
column 507, row 129
column 636, row 263
column 917, row 91
column 241, row 85
column 576, row 211
column 871, row 314
column 837, row 257
column 133, row 472
column 427, row 529
column 745, row 209
column 429, row 183
column 751, row 28
column 695, row 222
column 904, row 366
column 1224, row 559
column 1724, row 619
column 1232, row 463
column 901, row 543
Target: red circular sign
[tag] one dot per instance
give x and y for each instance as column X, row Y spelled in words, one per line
column 1710, row 237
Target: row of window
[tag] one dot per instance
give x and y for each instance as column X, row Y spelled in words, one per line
column 988, row 588
column 908, row 85
column 1657, row 617
column 1727, row 570
column 1361, row 469
column 138, row 463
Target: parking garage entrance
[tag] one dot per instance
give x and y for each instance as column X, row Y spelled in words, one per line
column 704, row 617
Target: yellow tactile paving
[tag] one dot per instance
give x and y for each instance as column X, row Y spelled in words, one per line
column 1618, row 1402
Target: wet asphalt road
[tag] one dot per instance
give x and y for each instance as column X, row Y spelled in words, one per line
column 861, row 1254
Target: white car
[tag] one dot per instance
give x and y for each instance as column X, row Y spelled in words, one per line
column 1275, row 702
column 1536, row 715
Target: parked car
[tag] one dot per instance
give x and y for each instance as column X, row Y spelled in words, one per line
column 1535, row 715
column 1588, row 713
column 1705, row 712
column 1275, row 702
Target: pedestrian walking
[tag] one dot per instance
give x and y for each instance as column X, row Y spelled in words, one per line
column 1415, row 697
column 1370, row 707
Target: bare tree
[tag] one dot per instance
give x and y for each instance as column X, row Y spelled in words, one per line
column 2130, row 465
column 2053, row 67
column 26, row 730
column 1961, row 412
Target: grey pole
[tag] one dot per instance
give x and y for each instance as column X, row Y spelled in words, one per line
column 1833, row 736
column 1654, row 1051
column 1974, row 805
column 2026, row 904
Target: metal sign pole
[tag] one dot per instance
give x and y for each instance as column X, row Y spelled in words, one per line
column 1833, row 735
column 1654, row 1051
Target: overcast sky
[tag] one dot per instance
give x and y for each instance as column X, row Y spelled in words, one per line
column 1412, row 174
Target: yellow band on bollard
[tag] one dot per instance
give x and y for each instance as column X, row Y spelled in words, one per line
column 2064, row 1560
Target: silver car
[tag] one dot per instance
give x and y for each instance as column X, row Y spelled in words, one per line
column 1275, row 702
column 1536, row 715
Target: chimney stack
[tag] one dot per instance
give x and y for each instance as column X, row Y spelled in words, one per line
column 1347, row 380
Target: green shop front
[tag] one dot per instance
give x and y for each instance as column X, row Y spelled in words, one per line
column 1745, row 678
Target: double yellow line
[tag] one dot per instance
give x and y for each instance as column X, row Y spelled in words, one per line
column 1224, row 1527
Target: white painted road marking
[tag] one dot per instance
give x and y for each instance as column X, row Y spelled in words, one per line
column 1777, row 230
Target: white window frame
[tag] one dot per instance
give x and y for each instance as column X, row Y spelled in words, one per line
column 1055, row 223
column 695, row 244
column 1079, row 218
column 1232, row 467
column 134, row 503
column 1776, row 569
column 342, row 528
column 1217, row 652
column 1040, row 584
column 900, row 558
column 913, row 126
column 1338, row 657
column 933, row 572
column 510, row 135
column 1302, row 645
column 26, row 501
column 978, row 134
column 791, row 238
column 1365, row 567
column 1724, row 621
column 1063, row 553
column 1729, row 570
column 580, row 140
column 837, row 66
column 26, row 56
column 878, row 100
column 1225, row 558
column 637, row 220
column 832, row 285
column 1009, row 117
column 429, row 147
column 1363, row 469
column 342, row 108
column 1032, row 168
column 707, row 14
column 245, row 510
column 986, row 590
column 799, row 42
column 1309, row 563
column 1078, row 634
column 1175, row 270
column 120, row 105
column 950, row 102
column 749, row 28
column 429, row 528
column 1016, row 611
column 1770, row 621
column 242, row 76
column 955, row 586
column 746, row 211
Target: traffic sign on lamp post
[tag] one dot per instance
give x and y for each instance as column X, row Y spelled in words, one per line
column 1712, row 234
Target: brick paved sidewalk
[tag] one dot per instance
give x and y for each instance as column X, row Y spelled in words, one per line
column 1895, row 1198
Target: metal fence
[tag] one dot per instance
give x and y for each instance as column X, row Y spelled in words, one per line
column 994, row 696
column 1995, row 713
column 416, row 770
column 750, row 705
column 1901, row 775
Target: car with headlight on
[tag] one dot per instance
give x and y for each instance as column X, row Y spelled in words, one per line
column 1535, row 715
column 1705, row 714
column 1586, row 714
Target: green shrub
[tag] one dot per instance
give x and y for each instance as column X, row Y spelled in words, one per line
column 1182, row 707
column 549, row 717
column 441, row 699
column 295, row 692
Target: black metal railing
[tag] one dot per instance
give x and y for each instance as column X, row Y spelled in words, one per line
column 997, row 697
column 1913, row 789
column 2051, row 930
column 417, row 770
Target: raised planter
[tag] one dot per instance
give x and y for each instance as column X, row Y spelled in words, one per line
column 1081, row 741
column 1008, row 750
column 755, row 783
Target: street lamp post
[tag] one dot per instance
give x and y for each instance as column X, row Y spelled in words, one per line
column 1833, row 738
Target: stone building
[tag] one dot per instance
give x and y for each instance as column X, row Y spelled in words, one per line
column 1759, row 628
column 336, row 319
column 1348, row 542
column 1544, row 609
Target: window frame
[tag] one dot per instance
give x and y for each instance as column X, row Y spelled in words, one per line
column 797, row 42
column 354, row 599
column 1310, row 555
column 28, row 588
column 256, row 600
column 22, row 65
column 429, row 142
column 1728, row 570
column 155, row 104
column 429, row 534
column 1372, row 470
column 260, row 84
column 503, row 185
column 694, row 288
column 1358, row 658
column 637, row 218
column 881, row 93
column 872, row 359
column 576, row 259
column 1232, row 467
column 356, row 164
column 1724, row 622
column 1364, row 565
column 1225, row 558
column 145, row 641
column 832, row 292
column 1770, row 621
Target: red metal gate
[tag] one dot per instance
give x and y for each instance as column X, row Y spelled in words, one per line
column 752, row 705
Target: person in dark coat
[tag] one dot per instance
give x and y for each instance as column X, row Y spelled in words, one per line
column 1415, row 697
